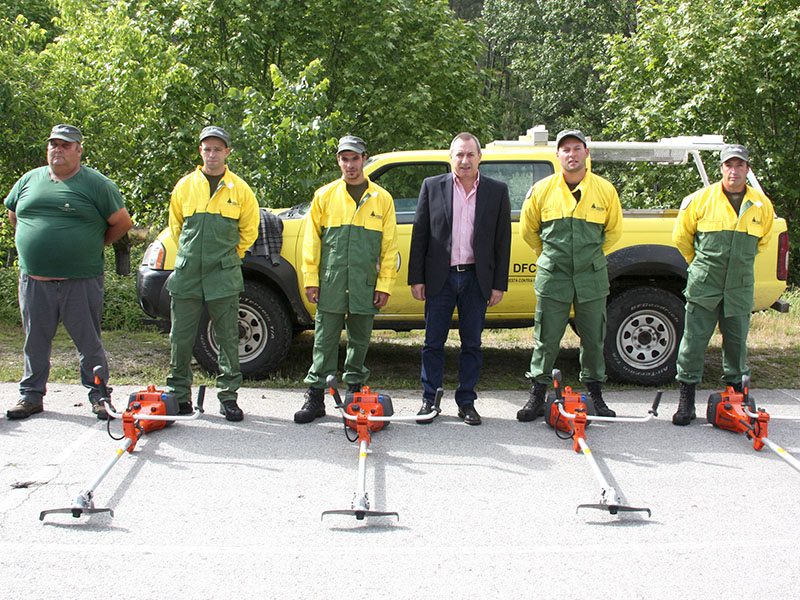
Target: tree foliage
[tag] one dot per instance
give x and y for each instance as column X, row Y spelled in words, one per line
column 545, row 55
column 716, row 66
column 286, row 77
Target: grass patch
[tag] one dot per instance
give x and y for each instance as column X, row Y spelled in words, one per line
column 141, row 357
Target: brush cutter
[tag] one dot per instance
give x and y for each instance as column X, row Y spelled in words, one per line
column 569, row 414
column 365, row 412
column 737, row 412
column 148, row 410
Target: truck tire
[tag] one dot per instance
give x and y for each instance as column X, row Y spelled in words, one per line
column 644, row 329
column 265, row 333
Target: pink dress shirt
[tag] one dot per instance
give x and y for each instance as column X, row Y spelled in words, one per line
column 463, row 223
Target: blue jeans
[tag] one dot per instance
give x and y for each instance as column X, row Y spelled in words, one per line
column 460, row 291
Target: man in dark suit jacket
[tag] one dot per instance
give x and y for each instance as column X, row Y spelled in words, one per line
column 460, row 248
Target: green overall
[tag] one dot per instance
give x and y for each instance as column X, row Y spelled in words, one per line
column 719, row 288
column 571, row 270
column 349, row 251
column 207, row 271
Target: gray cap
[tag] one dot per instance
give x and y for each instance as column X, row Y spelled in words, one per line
column 217, row 132
column 68, row 133
column 352, row 143
column 734, row 151
column 565, row 133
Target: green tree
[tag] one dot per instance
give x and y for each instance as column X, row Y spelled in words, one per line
column 716, row 66
column 544, row 54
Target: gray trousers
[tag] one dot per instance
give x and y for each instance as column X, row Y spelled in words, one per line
column 78, row 304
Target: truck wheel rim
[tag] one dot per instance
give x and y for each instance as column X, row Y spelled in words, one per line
column 646, row 340
column 253, row 334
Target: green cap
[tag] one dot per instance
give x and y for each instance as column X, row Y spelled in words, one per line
column 734, row 151
column 217, row 132
column 565, row 133
column 352, row 143
column 68, row 133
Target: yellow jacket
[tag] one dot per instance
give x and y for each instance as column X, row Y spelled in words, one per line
column 350, row 249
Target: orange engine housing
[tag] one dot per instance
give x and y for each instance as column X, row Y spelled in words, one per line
column 376, row 405
column 573, row 403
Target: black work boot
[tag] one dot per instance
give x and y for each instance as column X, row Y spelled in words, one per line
column 534, row 407
column 230, row 409
column 313, row 407
column 596, row 392
column 352, row 389
column 685, row 412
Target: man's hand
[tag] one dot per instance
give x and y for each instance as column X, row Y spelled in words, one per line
column 381, row 298
column 312, row 294
column 418, row 291
column 495, row 298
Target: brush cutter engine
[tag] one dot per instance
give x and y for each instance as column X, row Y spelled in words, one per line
column 573, row 403
column 737, row 412
column 149, row 402
column 374, row 405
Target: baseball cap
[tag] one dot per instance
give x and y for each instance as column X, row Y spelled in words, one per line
column 352, row 143
column 734, row 151
column 68, row 133
column 217, row 132
column 565, row 133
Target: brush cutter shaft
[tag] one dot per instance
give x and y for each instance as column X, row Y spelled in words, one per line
column 110, row 464
column 793, row 462
column 609, row 494
column 360, row 501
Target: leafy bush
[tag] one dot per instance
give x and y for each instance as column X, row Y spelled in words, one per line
column 120, row 308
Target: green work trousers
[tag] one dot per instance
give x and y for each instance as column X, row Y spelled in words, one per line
column 698, row 329
column 327, row 332
column 552, row 317
column 224, row 313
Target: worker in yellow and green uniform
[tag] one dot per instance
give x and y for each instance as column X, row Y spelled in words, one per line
column 570, row 220
column 349, row 265
column 213, row 218
column 719, row 231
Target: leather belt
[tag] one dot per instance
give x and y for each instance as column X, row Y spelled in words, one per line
column 460, row 268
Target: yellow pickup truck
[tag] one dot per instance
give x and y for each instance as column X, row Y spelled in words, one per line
column 646, row 271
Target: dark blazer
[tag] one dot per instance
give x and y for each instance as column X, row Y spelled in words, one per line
column 429, row 257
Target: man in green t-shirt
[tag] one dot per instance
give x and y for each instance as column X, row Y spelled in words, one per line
column 64, row 214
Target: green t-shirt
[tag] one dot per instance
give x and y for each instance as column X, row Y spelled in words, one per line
column 61, row 225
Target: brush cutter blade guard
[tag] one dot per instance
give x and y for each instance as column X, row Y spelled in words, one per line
column 614, row 508
column 360, row 514
column 75, row 511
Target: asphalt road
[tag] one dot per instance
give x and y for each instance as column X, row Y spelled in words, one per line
column 210, row 509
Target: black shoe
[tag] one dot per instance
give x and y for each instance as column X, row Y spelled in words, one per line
column 685, row 413
column 425, row 409
column 185, row 408
column 24, row 409
column 99, row 409
column 231, row 410
column 596, row 393
column 469, row 414
column 534, row 407
column 313, row 407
